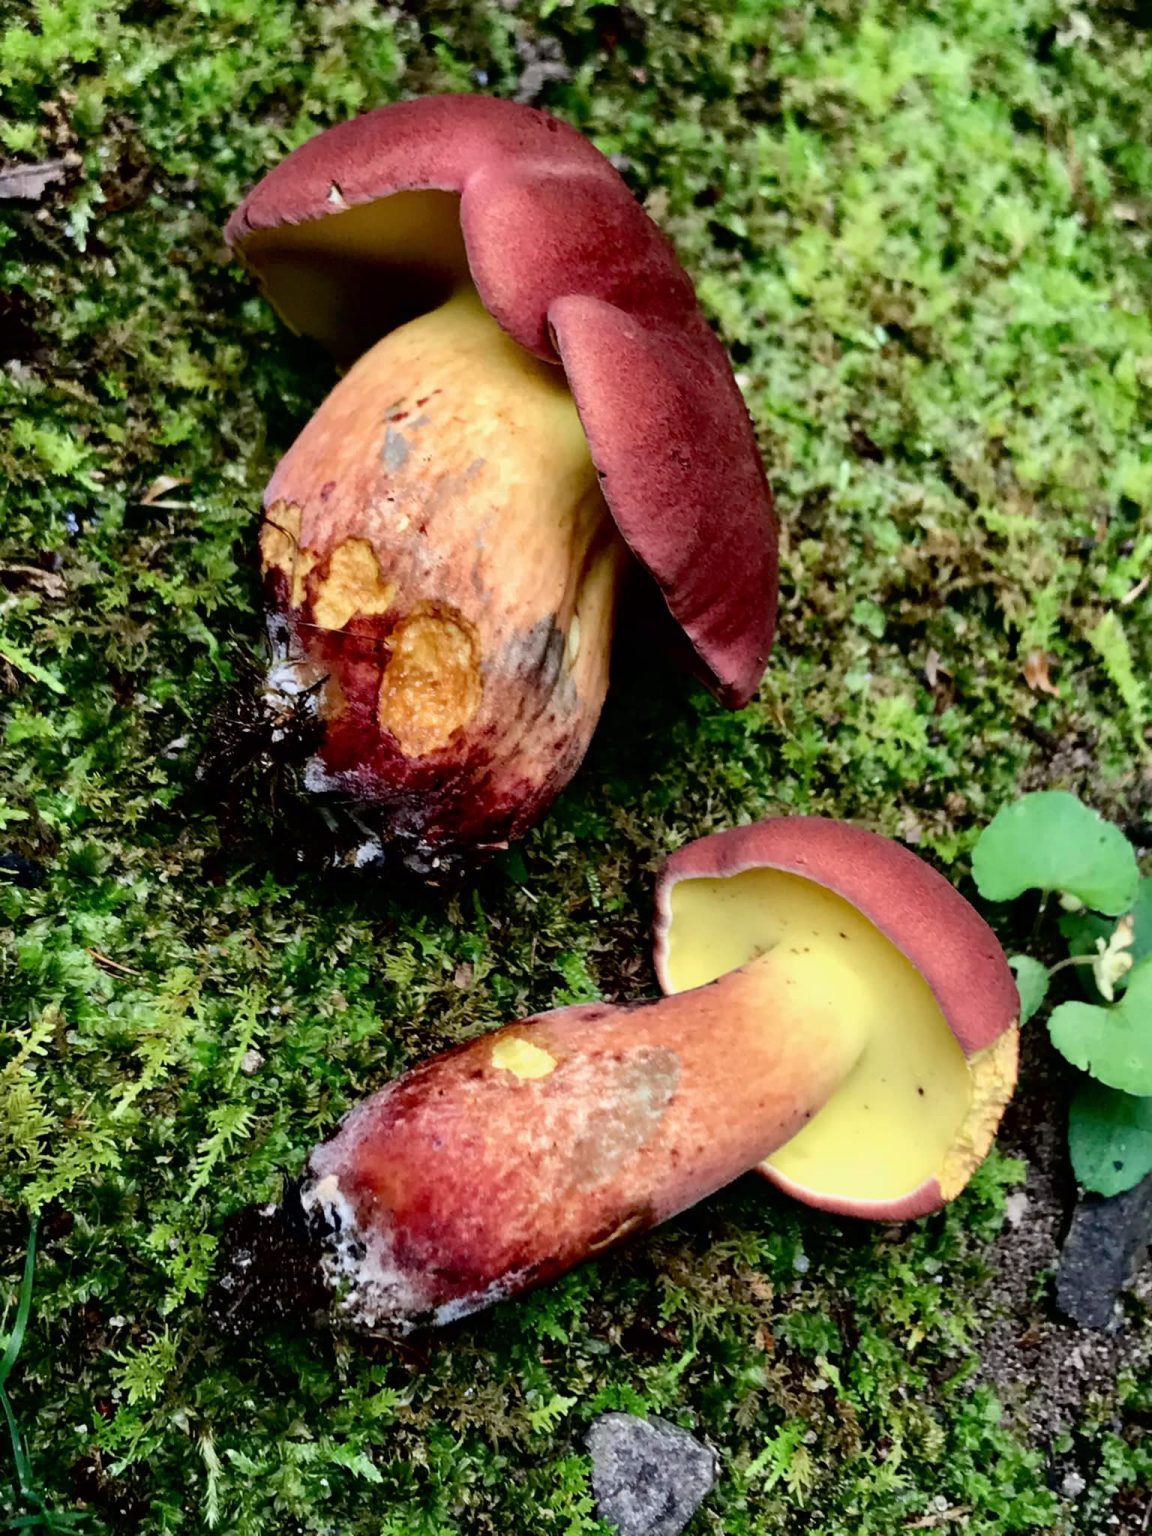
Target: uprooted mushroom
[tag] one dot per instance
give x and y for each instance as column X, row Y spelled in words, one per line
column 838, row 1015
column 532, row 399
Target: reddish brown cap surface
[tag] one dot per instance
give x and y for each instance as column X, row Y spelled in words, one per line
column 571, row 266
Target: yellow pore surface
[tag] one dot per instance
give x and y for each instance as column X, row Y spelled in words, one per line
column 404, row 252
column 891, row 1124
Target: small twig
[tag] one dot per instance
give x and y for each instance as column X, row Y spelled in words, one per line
column 28, row 183
column 108, row 964
column 160, row 487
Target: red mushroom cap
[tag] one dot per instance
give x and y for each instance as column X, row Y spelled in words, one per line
column 924, row 917
column 571, row 266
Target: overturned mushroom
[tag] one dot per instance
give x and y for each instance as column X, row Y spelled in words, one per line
column 532, row 397
column 854, row 918
column 862, row 1044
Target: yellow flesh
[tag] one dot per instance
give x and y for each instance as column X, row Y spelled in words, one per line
column 432, row 686
column 522, row 1058
column 892, row 1123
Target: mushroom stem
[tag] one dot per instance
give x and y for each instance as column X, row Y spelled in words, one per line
column 502, row 1163
column 443, row 571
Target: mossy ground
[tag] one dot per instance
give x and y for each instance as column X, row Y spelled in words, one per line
column 923, row 230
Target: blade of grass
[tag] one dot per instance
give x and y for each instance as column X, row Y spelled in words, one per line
column 23, row 1308
column 15, row 1343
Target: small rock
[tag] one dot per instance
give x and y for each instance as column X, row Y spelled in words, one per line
column 543, row 61
column 1073, row 1486
column 1106, row 1240
column 536, row 77
column 20, row 871
column 649, row 1477
column 1015, row 1208
column 28, row 183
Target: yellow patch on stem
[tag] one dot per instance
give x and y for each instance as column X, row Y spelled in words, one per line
column 280, row 549
column 521, row 1057
column 432, row 685
column 280, row 537
column 353, row 585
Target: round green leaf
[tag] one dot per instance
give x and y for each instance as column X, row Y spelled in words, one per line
column 1050, row 841
column 1031, row 983
column 1110, row 1139
column 1113, row 1044
column 1142, row 922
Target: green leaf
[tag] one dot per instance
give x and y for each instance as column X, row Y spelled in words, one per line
column 1110, row 643
column 1142, row 923
column 869, row 616
column 1110, row 1139
column 1031, row 983
column 22, row 662
column 1113, row 1044
column 1051, row 841
column 544, row 1416
column 15, row 1340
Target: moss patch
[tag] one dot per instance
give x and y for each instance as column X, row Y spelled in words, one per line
column 924, row 234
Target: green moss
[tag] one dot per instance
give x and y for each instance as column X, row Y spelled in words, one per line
column 924, row 233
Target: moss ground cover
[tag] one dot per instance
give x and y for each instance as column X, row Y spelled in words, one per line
column 924, row 232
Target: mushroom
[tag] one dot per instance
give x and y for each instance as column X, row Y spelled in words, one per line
column 532, row 399
column 924, row 980
column 836, row 1013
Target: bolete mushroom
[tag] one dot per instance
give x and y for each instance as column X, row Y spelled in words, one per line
column 532, row 397
column 838, row 1013
column 924, row 980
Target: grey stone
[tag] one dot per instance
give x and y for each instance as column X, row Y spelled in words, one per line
column 1105, row 1242
column 649, row 1477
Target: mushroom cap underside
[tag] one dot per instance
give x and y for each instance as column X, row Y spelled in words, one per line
column 910, row 1125
column 571, row 266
